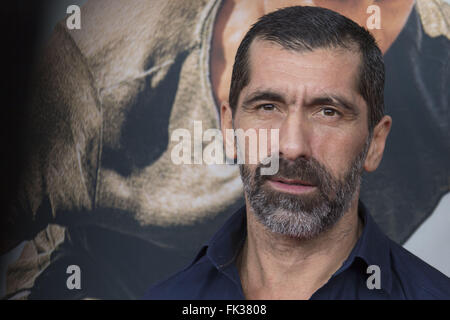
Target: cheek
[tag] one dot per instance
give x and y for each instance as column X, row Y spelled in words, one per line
column 258, row 144
column 336, row 151
column 248, row 173
column 265, row 141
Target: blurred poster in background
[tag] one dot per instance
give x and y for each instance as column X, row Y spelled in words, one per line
column 94, row 185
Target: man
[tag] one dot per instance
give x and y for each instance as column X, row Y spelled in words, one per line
column 99, row 181
column 318, row 78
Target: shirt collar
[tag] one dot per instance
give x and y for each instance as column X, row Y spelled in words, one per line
column 373, row 247
column 225, row 245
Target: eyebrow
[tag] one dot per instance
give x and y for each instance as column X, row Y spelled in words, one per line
column 330, row 99
column 263, row 95
column 335, row 100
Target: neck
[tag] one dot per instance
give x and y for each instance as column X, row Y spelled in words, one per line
column 275, row 266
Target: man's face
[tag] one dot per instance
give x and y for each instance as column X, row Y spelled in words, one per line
column 312, row 98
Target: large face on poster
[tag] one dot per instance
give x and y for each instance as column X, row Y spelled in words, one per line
column 124, row 121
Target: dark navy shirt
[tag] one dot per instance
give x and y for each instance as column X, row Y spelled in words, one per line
column 213, row 273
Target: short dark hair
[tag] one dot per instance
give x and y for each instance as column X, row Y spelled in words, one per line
column 306, row 29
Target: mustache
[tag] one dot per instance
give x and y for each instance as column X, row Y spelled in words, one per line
column 309, row 171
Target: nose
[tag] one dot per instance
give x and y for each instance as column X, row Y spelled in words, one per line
column 295, row 137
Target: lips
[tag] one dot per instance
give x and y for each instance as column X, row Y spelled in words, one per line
column 292, row 186
column 293, row 182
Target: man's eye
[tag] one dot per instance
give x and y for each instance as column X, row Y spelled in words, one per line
column 329, row 112
column 267, row 107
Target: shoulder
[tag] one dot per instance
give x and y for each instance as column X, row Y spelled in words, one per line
column 109, row 27
column 416, row 278
column 184, row 284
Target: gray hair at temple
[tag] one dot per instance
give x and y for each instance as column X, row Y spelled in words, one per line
column 306, row 29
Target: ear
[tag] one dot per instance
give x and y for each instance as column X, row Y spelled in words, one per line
column 376, row 149
column 226, row 124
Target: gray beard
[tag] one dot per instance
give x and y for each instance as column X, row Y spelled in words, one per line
column 303, row 216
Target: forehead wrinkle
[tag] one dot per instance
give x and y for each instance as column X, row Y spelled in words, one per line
column 292, row 92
